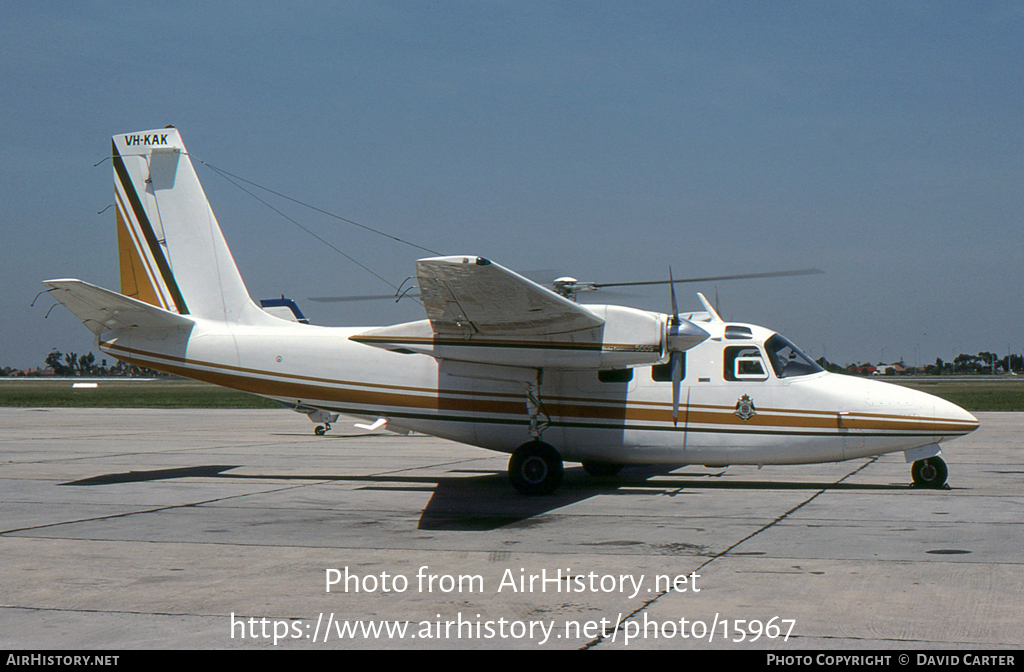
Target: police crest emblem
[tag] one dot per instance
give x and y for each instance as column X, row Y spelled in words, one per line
column 745, row 408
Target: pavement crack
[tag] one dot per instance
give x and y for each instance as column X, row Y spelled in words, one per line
column 157, row 509
column 767, row 526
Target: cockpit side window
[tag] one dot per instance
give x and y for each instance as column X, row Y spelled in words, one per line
column 744, row 362
column 787, row 359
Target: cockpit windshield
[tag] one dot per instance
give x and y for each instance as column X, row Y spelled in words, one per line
column 787, row 359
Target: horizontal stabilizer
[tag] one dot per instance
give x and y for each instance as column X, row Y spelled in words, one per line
column 103, row 310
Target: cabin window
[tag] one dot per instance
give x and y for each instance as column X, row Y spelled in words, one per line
column 662, row 373
column 615, row 376
column 744, row 363
column 734, row 332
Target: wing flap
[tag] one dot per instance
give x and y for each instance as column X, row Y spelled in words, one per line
column 466, row 296
column 102, row 310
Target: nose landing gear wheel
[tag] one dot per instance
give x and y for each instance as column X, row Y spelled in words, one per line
column 535, row 468
column 929, row 473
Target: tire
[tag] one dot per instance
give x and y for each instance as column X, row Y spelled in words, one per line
column 929, row 473
column 320, row 430
column 535, row 468
column 600, row 469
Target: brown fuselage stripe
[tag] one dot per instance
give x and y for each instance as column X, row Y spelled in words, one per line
column 439, row 400
column 828, row 415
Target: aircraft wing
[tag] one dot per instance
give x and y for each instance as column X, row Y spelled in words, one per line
column 102, row 310
column 466, row 296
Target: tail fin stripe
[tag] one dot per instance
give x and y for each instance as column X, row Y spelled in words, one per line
column 147, row 231
column 137, row 279
column 163, row 298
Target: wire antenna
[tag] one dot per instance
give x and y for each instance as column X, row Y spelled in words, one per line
column 231, row 179
column 226, row 174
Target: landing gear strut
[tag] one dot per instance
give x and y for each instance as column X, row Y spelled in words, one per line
column 318, row 415
column 535, row 468
column 929, row 473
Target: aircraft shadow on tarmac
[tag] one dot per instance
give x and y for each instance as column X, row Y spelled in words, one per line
column 480, row 500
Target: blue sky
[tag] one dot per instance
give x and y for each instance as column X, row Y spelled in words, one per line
column 880, row 142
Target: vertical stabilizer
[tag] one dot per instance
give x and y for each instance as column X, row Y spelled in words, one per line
column 171, row 250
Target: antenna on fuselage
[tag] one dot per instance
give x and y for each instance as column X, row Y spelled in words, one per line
column 709, row 308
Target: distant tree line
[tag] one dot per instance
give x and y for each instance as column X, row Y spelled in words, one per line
column 980, row 364
column 71, row 364
column 983, row 362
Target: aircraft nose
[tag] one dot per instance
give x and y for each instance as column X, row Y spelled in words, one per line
column 928, row 410
column 955, row 414
column 944, row 415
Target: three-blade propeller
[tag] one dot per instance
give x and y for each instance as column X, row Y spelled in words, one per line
column 675, row 360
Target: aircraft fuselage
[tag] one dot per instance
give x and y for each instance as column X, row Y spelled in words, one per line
column 622, row 416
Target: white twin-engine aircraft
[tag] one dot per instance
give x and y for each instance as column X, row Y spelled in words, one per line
column 500, row 362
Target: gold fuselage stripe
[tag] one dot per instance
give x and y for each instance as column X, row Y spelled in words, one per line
column 308, row 389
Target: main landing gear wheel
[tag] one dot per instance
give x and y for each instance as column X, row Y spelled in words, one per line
column 929, row 473
column 320, row 430
column 601, row 468
column 535, row 468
